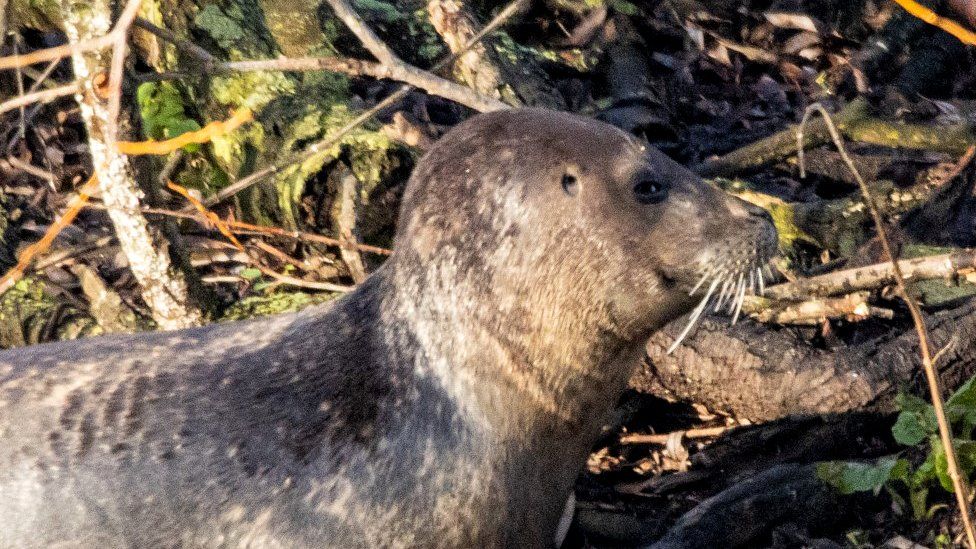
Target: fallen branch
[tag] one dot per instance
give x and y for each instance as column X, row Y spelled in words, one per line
column 855, row 122
column 163, row 288
column 946, row 266
column 390, row 66
column 812, row 312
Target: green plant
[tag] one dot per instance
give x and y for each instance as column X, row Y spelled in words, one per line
column 915, row 426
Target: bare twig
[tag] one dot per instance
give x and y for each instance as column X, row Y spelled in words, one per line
column 390, row 66
column 959, row 484
column 43, row 96
column 120, row 35
column 27, row 256
column 56, row 53
column 640, row 438
column 811, row 312
column 344, row 220
column 964, row 35
column 875, row 276
column 202, row 55
column 239, row 227
column 362, row 31
column 162, row 287
column 32, row 169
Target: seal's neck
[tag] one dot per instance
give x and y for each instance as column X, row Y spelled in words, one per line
column 505, row 345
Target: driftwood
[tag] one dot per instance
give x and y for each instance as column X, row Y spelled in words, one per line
column 755, row 372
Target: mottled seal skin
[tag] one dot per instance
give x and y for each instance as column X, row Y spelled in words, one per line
column 449, row 401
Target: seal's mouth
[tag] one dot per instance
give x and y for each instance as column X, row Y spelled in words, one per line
column 724, row 284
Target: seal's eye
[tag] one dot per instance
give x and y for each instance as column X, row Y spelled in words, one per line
column 648, row 191
column 570, row 184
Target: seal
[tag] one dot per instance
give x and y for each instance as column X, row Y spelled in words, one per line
column 449, row 401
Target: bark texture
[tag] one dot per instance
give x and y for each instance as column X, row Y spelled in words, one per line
column 759, row 373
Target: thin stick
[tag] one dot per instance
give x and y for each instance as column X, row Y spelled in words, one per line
column 52, row 54
column 29, row 253
column 203, row 135
column 965, row 35
column 641, row 438
column 935, row 391
column 875, row 276
column 120, row 35
column 43, row 96
column 240, row 227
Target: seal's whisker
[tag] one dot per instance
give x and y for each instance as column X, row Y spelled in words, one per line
column 762, row 281
column 725, row 293
column 739, row 299
column 694, row 315
column 704, row 277
column 738, row 288
column 752, row 281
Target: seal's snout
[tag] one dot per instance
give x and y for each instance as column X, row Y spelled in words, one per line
column 736, row 264
column 762, row 223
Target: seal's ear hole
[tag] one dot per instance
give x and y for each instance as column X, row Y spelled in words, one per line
column 650, row 191
column 570, row 184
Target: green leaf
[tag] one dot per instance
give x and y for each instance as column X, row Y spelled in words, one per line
column 961, row 407
column 964, row 395
column 162, row 112
column 909, row 430
column 915, row 422
column 965, row 455
column 624, row 8
column 910, row 403
column 919, row 497
column 251, row 273
column 849, row 477
column 901, row 471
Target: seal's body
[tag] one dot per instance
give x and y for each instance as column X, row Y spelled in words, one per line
column 449, row 401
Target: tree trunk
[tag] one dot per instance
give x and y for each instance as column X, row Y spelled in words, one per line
column 163, row 288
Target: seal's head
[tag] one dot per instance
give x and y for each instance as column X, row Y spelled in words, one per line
column 561, row 213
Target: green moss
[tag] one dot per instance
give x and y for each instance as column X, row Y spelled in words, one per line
column 162, row 112
column 29, row 315
column 377, row 10
column 44, row 15
column 294, row 27
column 429, row 46
column 223, row 26
column 278, row 302
column 254, row 90
column 368, row 151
